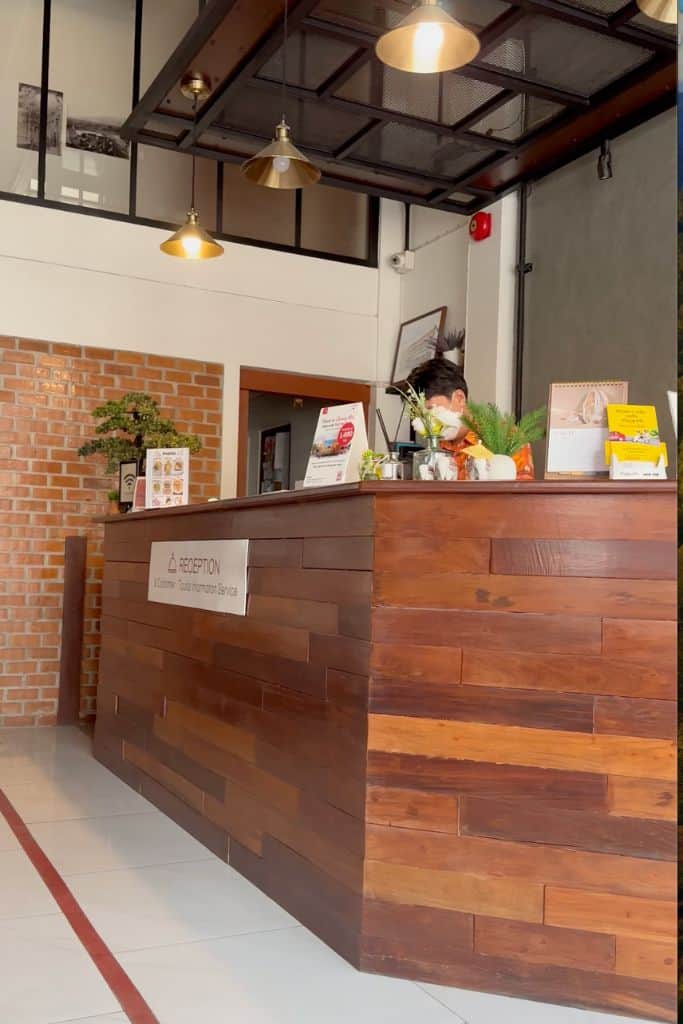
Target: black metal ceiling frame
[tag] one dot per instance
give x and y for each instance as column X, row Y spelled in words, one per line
column 188, row 136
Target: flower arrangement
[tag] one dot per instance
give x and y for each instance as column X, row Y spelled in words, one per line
column 499, row 432
column 427, row 422
column 370, row 467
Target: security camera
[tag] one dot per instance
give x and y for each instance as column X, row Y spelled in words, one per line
column 403, row 262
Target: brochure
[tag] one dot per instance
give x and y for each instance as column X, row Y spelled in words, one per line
column 338, row 445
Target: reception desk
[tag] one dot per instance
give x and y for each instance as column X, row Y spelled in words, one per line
column 443, row 735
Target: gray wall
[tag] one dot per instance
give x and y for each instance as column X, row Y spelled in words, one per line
column 267, row 411
column 601, row 300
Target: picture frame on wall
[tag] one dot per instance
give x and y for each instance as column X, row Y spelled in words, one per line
column 418, row 340
column 577, row 427
column 275, row 459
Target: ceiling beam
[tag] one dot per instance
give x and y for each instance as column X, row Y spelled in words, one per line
column 210, row 18
column 252, row 62
column 363, row 133
column 656, row 63
column 386, row 115
column 600, row 23
column 336, row 181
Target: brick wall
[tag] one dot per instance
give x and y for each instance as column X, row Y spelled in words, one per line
column 47, row 394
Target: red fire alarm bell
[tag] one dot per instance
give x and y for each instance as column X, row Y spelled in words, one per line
column 480, row 227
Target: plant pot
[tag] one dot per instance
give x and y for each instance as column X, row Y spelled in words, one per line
column 113, row 508
column 502, row 467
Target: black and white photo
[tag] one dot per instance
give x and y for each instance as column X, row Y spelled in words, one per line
column 28, row 119
column 96, row 136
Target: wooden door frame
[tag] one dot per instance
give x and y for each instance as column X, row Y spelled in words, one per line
column 298, row 385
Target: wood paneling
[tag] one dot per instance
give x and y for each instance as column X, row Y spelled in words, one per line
column 541, row 944
column 606, row 559
column 480, row 704
column 642, row 798
column 584, row 830
column 454, row 890
column 610, row 914
column 636, row 717
column 647, row 958
column 535, row 862
column 638, row 599
column 495, row 630
column 543, row 786
column 570, row 674
column 442, row 737
column 473, row 741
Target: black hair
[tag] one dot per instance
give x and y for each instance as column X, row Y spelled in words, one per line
column 438, row 377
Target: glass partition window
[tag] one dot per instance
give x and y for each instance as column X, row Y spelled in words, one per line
column 77, row 158
column 21, row 33
column 91, row 75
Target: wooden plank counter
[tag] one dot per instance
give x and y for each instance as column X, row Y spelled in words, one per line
column 443, row 737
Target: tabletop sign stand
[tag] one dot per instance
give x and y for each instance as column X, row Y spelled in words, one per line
column 339, row 442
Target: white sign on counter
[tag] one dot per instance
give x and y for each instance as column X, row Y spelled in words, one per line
column 208, row 574
column 339, row 442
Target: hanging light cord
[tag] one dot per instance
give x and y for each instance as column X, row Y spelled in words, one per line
column 194, row 159
column 284, row 65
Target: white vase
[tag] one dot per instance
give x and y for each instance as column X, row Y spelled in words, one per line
column 502, row 467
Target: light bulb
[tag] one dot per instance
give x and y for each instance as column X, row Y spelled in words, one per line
column 429, row 38
column 281, row 164
column 191, row 245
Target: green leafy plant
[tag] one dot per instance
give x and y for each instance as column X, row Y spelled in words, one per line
column 129, row 427
column 113, row 495
column 498, row 430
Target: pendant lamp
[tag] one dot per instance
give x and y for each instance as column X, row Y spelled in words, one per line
column 660, row 10
column 191, row 241
column 280, row 164
column 426, row 41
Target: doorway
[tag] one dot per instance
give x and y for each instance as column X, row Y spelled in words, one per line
column 278, row 415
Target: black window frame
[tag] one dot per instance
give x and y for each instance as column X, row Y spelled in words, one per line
column 132, row 217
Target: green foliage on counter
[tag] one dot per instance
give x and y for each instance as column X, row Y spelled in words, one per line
column 498, row 430
column 129, row 427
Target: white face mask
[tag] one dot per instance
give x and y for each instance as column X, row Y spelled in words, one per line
column 452, row 422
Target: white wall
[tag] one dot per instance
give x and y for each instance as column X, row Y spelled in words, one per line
column 86, row 280
column 440, row 242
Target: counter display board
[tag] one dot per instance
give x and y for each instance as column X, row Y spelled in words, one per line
column 338, row 445
column 168, row 477
column 577, row 426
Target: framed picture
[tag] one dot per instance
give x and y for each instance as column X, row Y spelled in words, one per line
column 417, row 341
column 577, row 427
column 128, row 472
column 274, row 459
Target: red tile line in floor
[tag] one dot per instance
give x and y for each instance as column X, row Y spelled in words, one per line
column 123, row 989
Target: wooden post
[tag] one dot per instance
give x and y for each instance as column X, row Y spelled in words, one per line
column 68, row 706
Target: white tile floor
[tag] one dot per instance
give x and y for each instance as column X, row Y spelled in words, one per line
column 201, row 944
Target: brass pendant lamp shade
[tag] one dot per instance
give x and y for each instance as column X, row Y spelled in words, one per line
column 281, row 165
column 660, row 10
column 192, row 242
column 428, row 40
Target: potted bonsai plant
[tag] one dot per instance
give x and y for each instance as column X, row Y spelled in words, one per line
column 503, row 437
column 129, row 426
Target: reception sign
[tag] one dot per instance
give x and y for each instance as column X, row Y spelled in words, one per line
column 208, row 574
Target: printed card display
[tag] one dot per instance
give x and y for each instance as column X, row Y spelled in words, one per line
column 633, row 450
column 168, row 477
column 339, row 442
column 577, row 426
